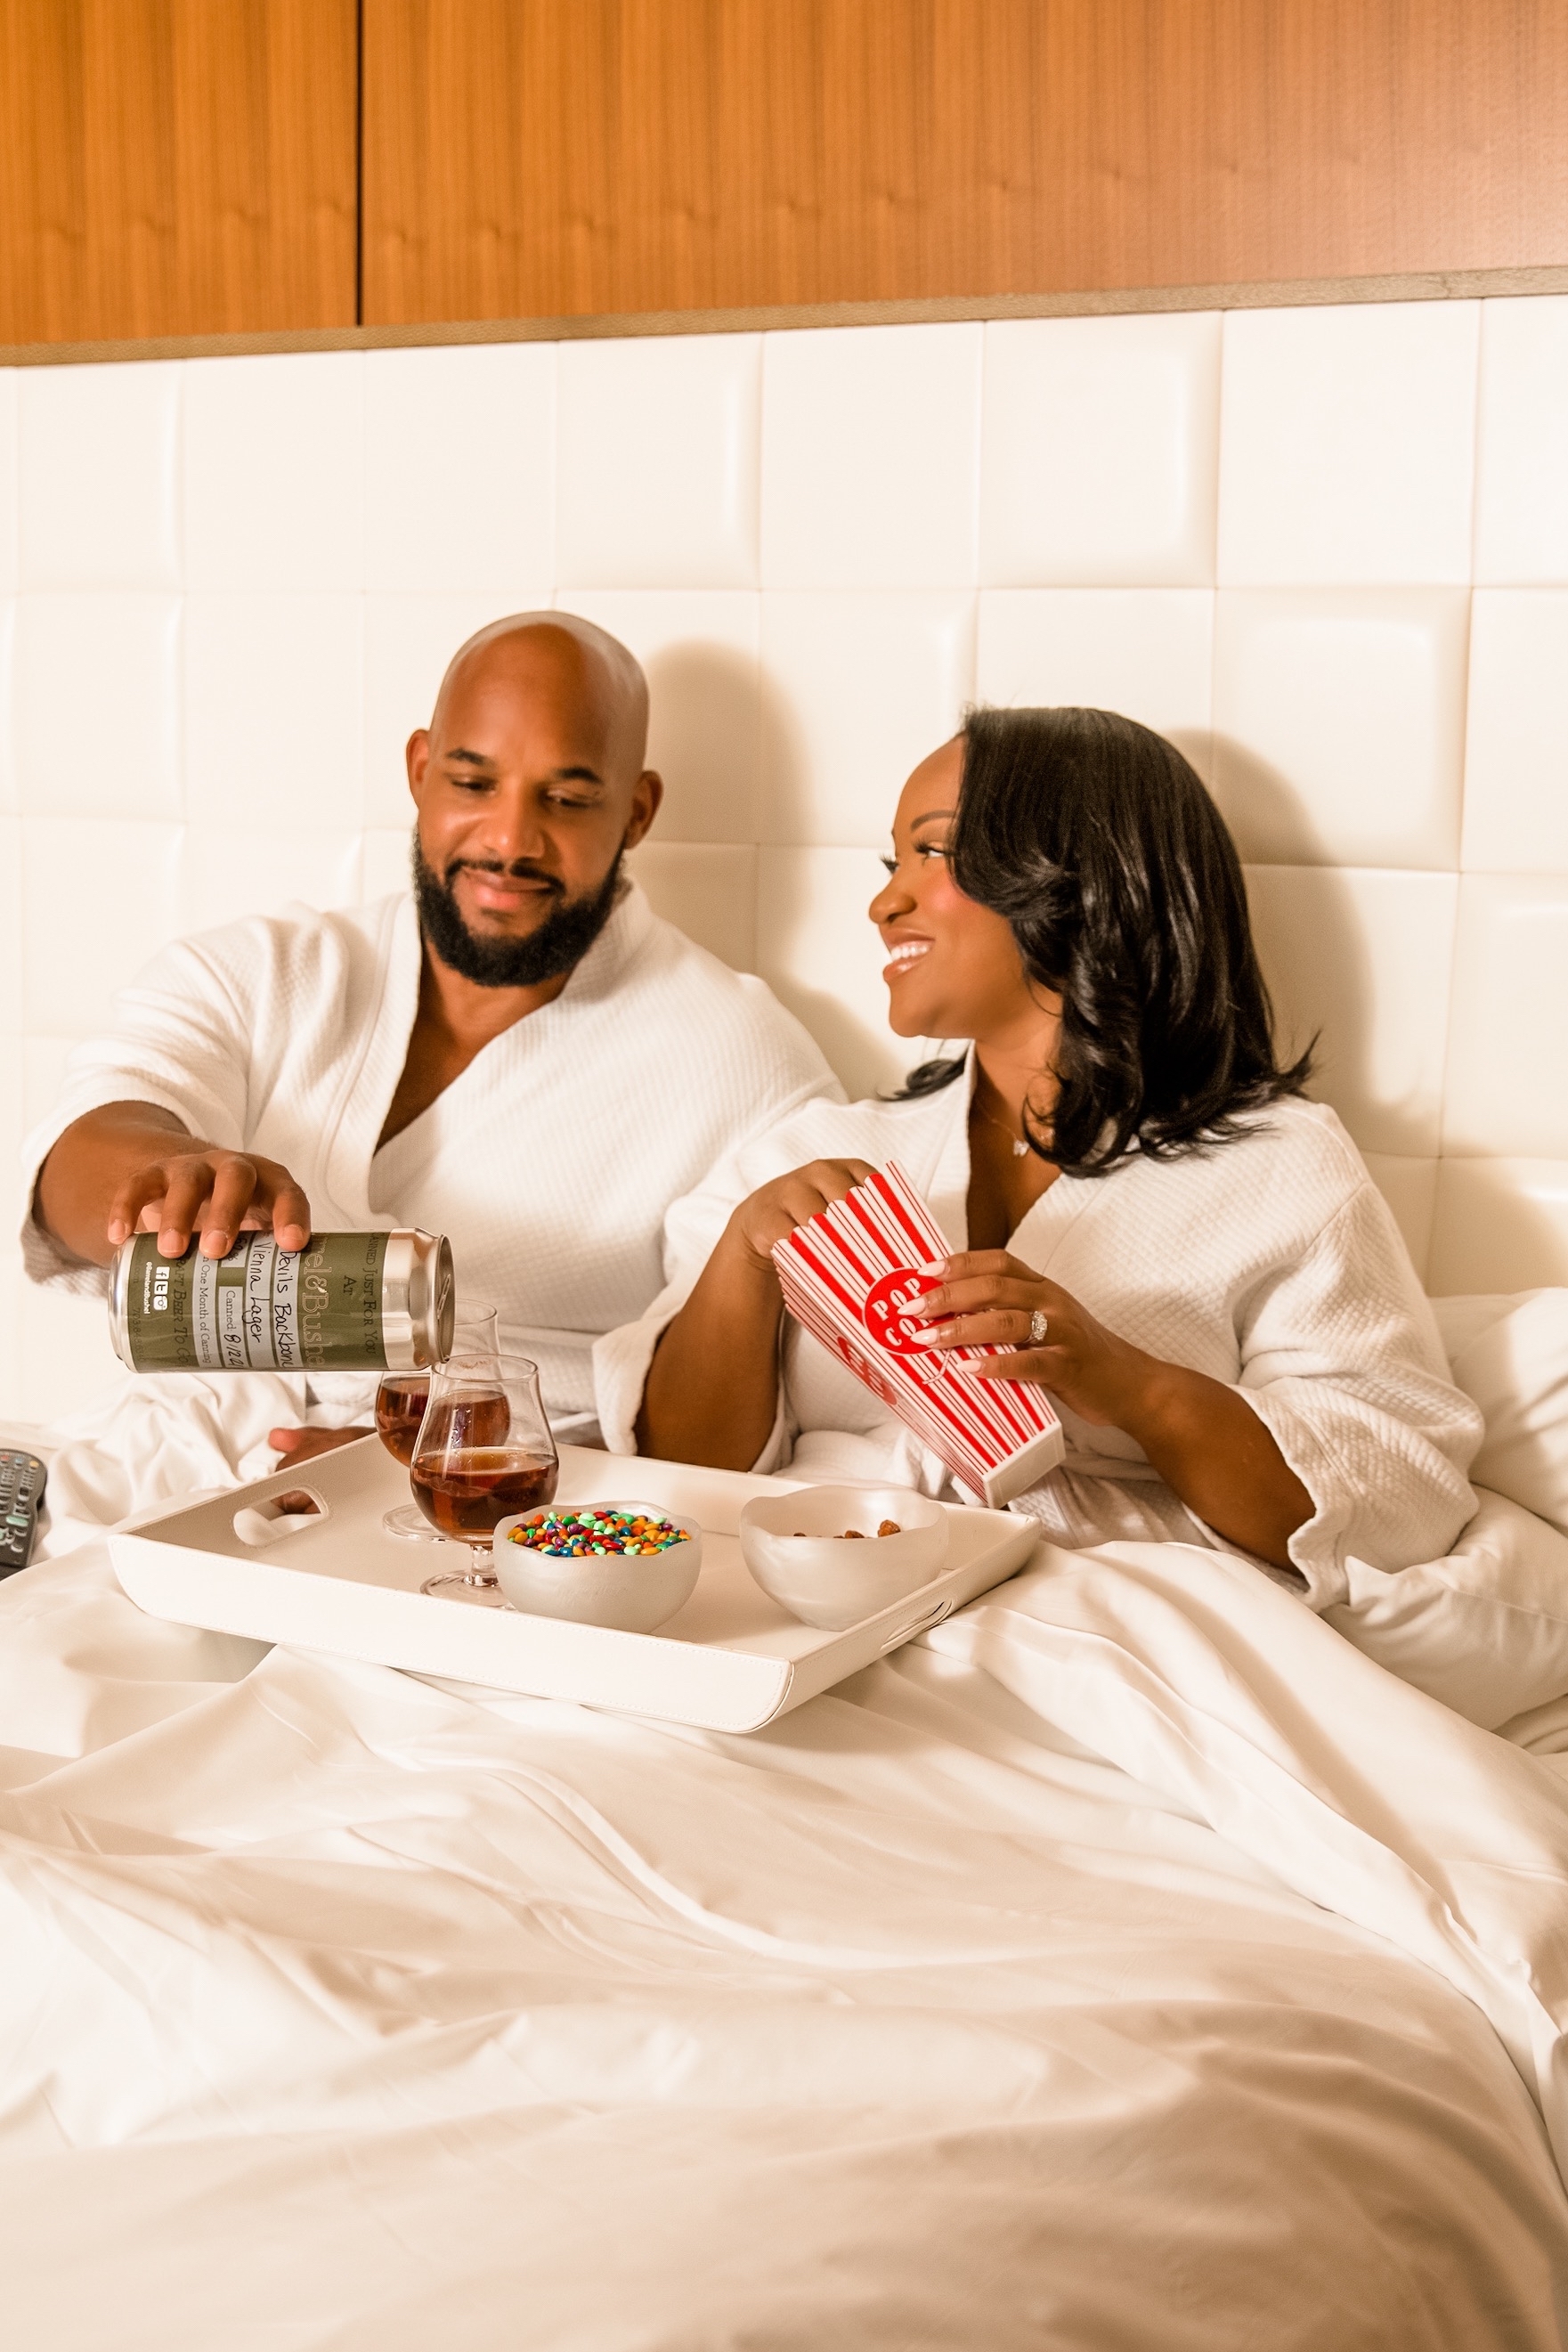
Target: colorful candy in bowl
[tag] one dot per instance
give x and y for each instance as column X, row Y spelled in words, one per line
column 624, row 1564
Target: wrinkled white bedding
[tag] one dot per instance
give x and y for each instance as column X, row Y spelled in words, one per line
column 1130, row 1963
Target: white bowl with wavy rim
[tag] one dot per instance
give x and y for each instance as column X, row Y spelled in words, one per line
column 632, row 1591
column 797, row 1550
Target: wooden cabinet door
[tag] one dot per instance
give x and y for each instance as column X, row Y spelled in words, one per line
column 537, row 158
column 176, row 167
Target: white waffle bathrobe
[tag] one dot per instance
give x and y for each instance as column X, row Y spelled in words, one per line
column 1272, row 1263
column 550, row 1162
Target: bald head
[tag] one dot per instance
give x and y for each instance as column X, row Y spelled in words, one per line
column 571, row 661
column 530, row 785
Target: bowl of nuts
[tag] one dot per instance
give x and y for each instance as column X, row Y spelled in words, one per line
column 833, row 1555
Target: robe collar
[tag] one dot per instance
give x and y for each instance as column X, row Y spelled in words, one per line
column 388, row 1025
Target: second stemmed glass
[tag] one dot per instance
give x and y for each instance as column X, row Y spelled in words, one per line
column 484, row 1451
column 401, row 1401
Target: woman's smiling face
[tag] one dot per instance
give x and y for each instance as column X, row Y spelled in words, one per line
column 954, row 968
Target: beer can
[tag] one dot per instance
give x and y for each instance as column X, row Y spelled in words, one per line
column 346, row 1303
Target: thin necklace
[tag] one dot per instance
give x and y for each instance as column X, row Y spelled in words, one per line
column 1019, row 1142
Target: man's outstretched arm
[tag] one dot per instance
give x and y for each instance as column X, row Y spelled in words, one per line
column 131, row 1166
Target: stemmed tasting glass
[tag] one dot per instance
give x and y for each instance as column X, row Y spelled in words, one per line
column 484, row 1451
column 401, row 1401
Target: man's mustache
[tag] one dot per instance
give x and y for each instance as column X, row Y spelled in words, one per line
column 519, row 870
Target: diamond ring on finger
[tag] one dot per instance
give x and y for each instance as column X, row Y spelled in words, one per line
column 1037, row 1327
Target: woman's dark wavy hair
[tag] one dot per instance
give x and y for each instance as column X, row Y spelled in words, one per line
column 1094, row 839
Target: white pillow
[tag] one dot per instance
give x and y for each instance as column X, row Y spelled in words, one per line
column 1486, row 1628
column 1511, row 1356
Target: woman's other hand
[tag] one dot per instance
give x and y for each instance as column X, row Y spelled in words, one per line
column 790, row 1201
column 988, row 1299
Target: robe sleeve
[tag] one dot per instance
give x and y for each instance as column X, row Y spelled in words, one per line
column 1341, row 1361
column 818, row 1129
column 181, row 1040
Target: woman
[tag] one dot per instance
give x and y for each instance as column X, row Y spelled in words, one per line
column 1143, row 1208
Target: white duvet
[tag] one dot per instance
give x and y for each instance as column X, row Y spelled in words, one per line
column 1130, row 1963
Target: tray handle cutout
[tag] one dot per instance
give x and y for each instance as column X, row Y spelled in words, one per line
column 281, row 1515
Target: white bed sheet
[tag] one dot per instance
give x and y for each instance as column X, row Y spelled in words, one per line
column 1130, row 1963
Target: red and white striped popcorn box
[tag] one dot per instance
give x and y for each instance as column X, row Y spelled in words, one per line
column 850, row 1276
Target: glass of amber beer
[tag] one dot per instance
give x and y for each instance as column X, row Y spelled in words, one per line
column 401, row 1401
column 484, row 1451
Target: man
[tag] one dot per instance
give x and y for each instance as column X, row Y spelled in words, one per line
column 521, row 1055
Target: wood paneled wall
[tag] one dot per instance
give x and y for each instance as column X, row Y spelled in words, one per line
column 548, row 157
column 176, row 167
column 193, row 167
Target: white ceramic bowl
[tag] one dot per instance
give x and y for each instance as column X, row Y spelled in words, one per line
column 796, row 1549
column 633, row 1592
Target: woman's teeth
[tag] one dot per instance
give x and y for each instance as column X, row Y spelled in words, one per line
column 908, row 952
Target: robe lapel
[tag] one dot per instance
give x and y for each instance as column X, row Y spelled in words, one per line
column 1042, row 1230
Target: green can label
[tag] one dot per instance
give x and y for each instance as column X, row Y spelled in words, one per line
column 260, row 1309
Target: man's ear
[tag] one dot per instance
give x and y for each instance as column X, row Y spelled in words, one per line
column 416, row 760
column 646, row 794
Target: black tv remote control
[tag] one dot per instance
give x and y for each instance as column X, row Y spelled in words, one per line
column 22, row 1481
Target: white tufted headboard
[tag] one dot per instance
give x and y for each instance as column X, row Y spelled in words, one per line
column 1325, row 548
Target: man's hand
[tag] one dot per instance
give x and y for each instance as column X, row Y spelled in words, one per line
column 297, row 1445
column 131, row 1166
column 211, row 1191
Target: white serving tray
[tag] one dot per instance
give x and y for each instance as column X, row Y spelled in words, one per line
column 732, row 1660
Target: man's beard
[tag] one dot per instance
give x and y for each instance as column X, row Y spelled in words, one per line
column 561, row 940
